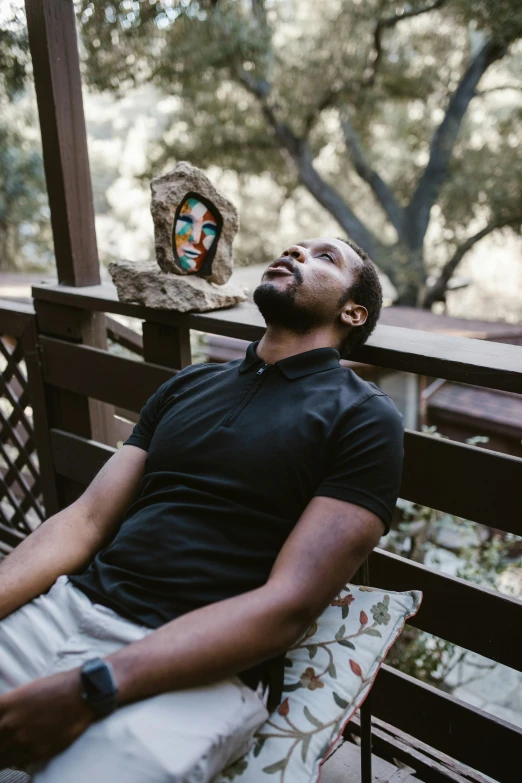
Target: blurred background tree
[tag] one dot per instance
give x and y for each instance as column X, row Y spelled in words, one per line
column 401, row 120
column 25, row 234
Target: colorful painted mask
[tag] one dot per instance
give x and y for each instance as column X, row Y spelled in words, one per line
column 195, row 234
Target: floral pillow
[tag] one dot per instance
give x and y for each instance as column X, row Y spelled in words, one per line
column 328, row 674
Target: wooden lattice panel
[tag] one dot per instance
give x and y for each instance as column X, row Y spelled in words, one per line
column 21, row 502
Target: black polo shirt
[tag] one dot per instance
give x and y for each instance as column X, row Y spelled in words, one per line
column 235, row 453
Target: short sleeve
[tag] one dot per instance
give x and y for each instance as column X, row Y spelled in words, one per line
column 150, row 414
column 365, row 463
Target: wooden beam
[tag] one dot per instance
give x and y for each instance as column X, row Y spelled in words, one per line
column 167, row 345
column 126, row 383
column 429, row 764
column 391, row 572
column 467, row 481
column 14, row 317
column 78, row 458
column 480, row 362
column 121, row 334
column 472, row 736
column 53, row 42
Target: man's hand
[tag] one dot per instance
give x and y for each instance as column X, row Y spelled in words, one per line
column 39, row 720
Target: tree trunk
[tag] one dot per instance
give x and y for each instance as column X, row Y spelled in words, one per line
column 405, row 268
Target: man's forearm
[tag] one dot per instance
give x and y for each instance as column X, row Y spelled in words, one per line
column 63, row 544
column 207, row 645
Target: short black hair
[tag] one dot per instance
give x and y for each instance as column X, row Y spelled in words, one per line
column 366, row 291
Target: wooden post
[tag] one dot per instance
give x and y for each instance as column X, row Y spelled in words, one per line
column 52, row 38
column 166, row 345
column 53, row 42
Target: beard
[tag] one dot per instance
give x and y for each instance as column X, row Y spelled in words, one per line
column 280, row 308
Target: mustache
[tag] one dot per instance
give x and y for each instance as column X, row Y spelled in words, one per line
column 290, row 264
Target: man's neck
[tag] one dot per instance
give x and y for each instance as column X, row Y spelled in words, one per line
column 278, row 343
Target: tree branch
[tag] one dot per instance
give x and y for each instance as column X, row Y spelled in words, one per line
column 515, row 87
column 443, row 142
column 354, row 87
column 301, row 155
column 382, row 191
column 435, row 292
column 324, row 193
column 375, row 54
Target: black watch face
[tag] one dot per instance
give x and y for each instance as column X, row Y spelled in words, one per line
column 97, row 682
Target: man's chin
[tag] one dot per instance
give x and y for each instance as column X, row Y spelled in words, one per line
column 278, row 307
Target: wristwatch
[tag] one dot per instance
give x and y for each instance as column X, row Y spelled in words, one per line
column 99, row 687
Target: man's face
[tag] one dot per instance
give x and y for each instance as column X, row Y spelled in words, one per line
column 305, row 286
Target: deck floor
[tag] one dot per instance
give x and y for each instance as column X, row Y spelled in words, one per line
column 343, row 766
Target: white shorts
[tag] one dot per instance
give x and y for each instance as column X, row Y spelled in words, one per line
column 179, row 737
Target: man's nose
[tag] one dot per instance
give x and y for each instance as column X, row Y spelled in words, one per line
column 296, row 252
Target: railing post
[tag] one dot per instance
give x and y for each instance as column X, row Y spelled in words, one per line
column 167, row 345
column 70, row 411
column 54, row 51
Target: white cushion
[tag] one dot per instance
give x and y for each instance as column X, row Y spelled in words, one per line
column 328, row 675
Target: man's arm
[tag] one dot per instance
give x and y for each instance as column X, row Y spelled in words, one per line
column 67, row 542
column 330, row 541
column 326, row 547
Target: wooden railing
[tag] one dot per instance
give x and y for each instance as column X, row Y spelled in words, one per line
column 431, row 730
column 22, row 423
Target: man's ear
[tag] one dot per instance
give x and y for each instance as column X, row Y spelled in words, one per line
column 353, row 314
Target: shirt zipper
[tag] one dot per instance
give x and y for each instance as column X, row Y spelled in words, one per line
column 260, row 374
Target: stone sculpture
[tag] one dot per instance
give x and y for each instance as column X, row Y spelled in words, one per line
column 194, row 228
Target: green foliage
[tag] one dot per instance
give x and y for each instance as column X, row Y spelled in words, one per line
column 25, row 234
column 264, row 86
column 14, row 53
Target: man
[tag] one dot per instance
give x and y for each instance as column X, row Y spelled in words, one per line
column 246, row 497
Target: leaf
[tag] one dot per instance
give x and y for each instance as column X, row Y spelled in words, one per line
column 305, row 745
column 312, row 650
column 373, row 632
column 293, row 686
column 356, row 669
column 277, row 767
column 332, row 671
column 312, row 719
column 346, row 643
column 344, row 611
column 340, row 633
column 259, row 746
column 289, row 663
column 339, row 701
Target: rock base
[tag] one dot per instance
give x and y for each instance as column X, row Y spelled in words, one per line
column 145, row 284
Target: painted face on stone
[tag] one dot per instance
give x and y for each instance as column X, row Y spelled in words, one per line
column 195, row 231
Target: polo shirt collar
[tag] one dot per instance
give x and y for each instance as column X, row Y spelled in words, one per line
column 297, row 366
